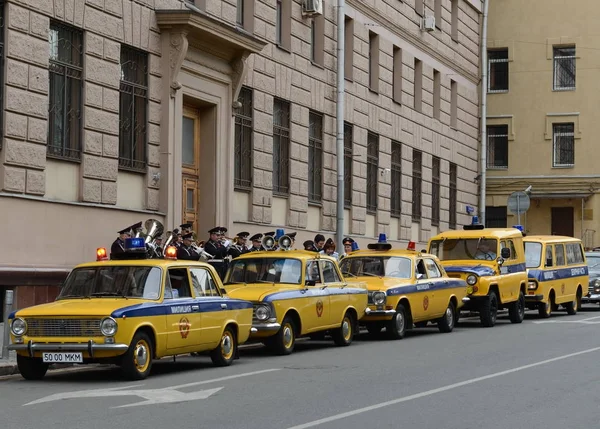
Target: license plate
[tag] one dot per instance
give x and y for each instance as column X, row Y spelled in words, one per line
column 62, row 357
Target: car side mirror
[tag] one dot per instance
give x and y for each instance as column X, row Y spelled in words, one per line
column 420, row 276
column 310, row 283
column 549, row 262
column 505, row 253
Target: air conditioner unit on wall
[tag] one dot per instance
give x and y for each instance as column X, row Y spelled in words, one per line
column 429, row 23
column 312, row 7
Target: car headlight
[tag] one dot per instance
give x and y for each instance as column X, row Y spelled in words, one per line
column 471, row 279
column 18, row 327
column 597, row 283
column 108, row 326
column 262, row 312
column 378, row 298
column 532, row 285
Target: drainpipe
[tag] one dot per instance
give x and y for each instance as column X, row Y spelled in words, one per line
column 341, row 21
column 484, row 88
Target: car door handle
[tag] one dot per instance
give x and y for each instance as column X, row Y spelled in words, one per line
column 195, row 307
column 224, row 306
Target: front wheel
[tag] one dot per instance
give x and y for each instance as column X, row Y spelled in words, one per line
column 137, row 362
column 447, row 321
column 516, row 311
column 225, row 352
column 489, row 310
column 345, row 333
column 284, row 341
column 396, row 328
column 31, row 368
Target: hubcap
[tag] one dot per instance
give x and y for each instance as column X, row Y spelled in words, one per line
column 346, row 329
column 449, row 316
column 141, row 355
column 226, row 345
column 287, row 335
column 399, row 322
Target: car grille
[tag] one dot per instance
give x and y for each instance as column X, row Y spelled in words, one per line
column 370, row 297
column 63, row 327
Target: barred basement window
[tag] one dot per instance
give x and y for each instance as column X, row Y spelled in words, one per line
column 348, row 151
column 417, row 177
column 315, row 157
column 435, row 191
column 242, row 171
column 133, row 107
column 396, row 185
column 372, row 167
column 497, row 147
column 281, row 147
column 453, row 195
column 564, row 145
column 498, row 70
column 66, row 87
column 564, row 68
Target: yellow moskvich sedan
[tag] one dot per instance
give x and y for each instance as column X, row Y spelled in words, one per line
column 295, row 293
column 129, row 312
column 405, row 288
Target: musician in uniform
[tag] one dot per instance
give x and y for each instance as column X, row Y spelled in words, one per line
column 118, row 245
column 240, row 247
column 186, row 228
column 185, row 251
column 292, row 235
column 347, row 242
column 310, row 246
column 319, row 242
column 256, row 243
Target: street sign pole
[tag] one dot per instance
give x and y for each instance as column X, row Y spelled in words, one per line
column 518, row 210
column 8, row 305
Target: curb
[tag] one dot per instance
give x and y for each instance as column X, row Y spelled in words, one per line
column 12, row 369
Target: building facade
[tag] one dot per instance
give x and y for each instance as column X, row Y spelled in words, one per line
column 222, row 112
column 541, row 118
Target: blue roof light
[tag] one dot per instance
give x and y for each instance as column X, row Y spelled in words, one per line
column 475, row 220
column 135, row 243
column 354, row 246
column 519, row 227
column 280, row 233
column 382, row 238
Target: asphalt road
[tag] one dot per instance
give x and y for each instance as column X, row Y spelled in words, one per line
column 540, row 374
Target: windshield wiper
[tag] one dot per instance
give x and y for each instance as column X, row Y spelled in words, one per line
column 370, row 274
column 109, row 294
column 348, row 274
column 72, row 296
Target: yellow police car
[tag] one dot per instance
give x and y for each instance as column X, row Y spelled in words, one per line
column 295, row 293
column 130, row 311
column 406, row 288
column 492, row 261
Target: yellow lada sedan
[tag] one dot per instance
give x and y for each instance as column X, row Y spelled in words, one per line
column 130, row 311
column 492, row 261
column 295, row 293
column 406, row 288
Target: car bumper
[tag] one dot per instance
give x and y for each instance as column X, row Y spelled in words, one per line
column 534, row 298
column 90, row 347
column 593, row 298
column 264, row 327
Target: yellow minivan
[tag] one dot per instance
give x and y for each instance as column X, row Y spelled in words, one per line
column 557, row 273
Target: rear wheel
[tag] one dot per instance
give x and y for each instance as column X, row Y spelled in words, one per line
column 137, row 362
column 396, row 328
column 516, row 311
column 447, row 321
column 224, row 354
column 31, row 368
column 345, row 333
column 545, row 309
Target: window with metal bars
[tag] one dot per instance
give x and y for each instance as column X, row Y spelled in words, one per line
column 435, row 191
column 133, row 107
column 65, row 94
column 315, row 157
column 497, row 147
column 498, row 70
column 348, row 151
column 372, row 167
column 281, row 147
column 417, row 178
column 453, row 195
column 564, row 68
column 243, row 141
column 564, row 145
column 495, row 217
column 396, row 184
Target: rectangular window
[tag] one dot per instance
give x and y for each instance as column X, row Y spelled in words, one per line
column 373, row 61
column 349, row 48
column 454, row 20
column 348, row 151
column 498, row 70
column 372, row 167
column 396, row 184
column 397, row 76
column 242, row 171
column 278, row 22
column 437, row 94
column 417, row 178
column 240, row 13
column 281, row 147
column 318, row 40
column 66, row 87
column 437, row 10
column 133, row 107
column 564, row 68
column 419, row 7
column 315, row 157
column 453, row 195
column 283, row 24
column 496, row 217
column 418, row 85
column 564, row 145
column 497, row 147
column 453, row 104
column 435, row 191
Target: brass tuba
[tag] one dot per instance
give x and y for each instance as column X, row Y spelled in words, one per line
column 153, row 229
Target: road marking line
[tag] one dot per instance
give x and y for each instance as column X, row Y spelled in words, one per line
column 438, row 390
column 229, row 377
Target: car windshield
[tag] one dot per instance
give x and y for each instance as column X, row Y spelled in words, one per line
column 452, row 249
column 121, row 281
column 264, row 270
column 533, row 254
column 380, row 266
column 593, row 262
